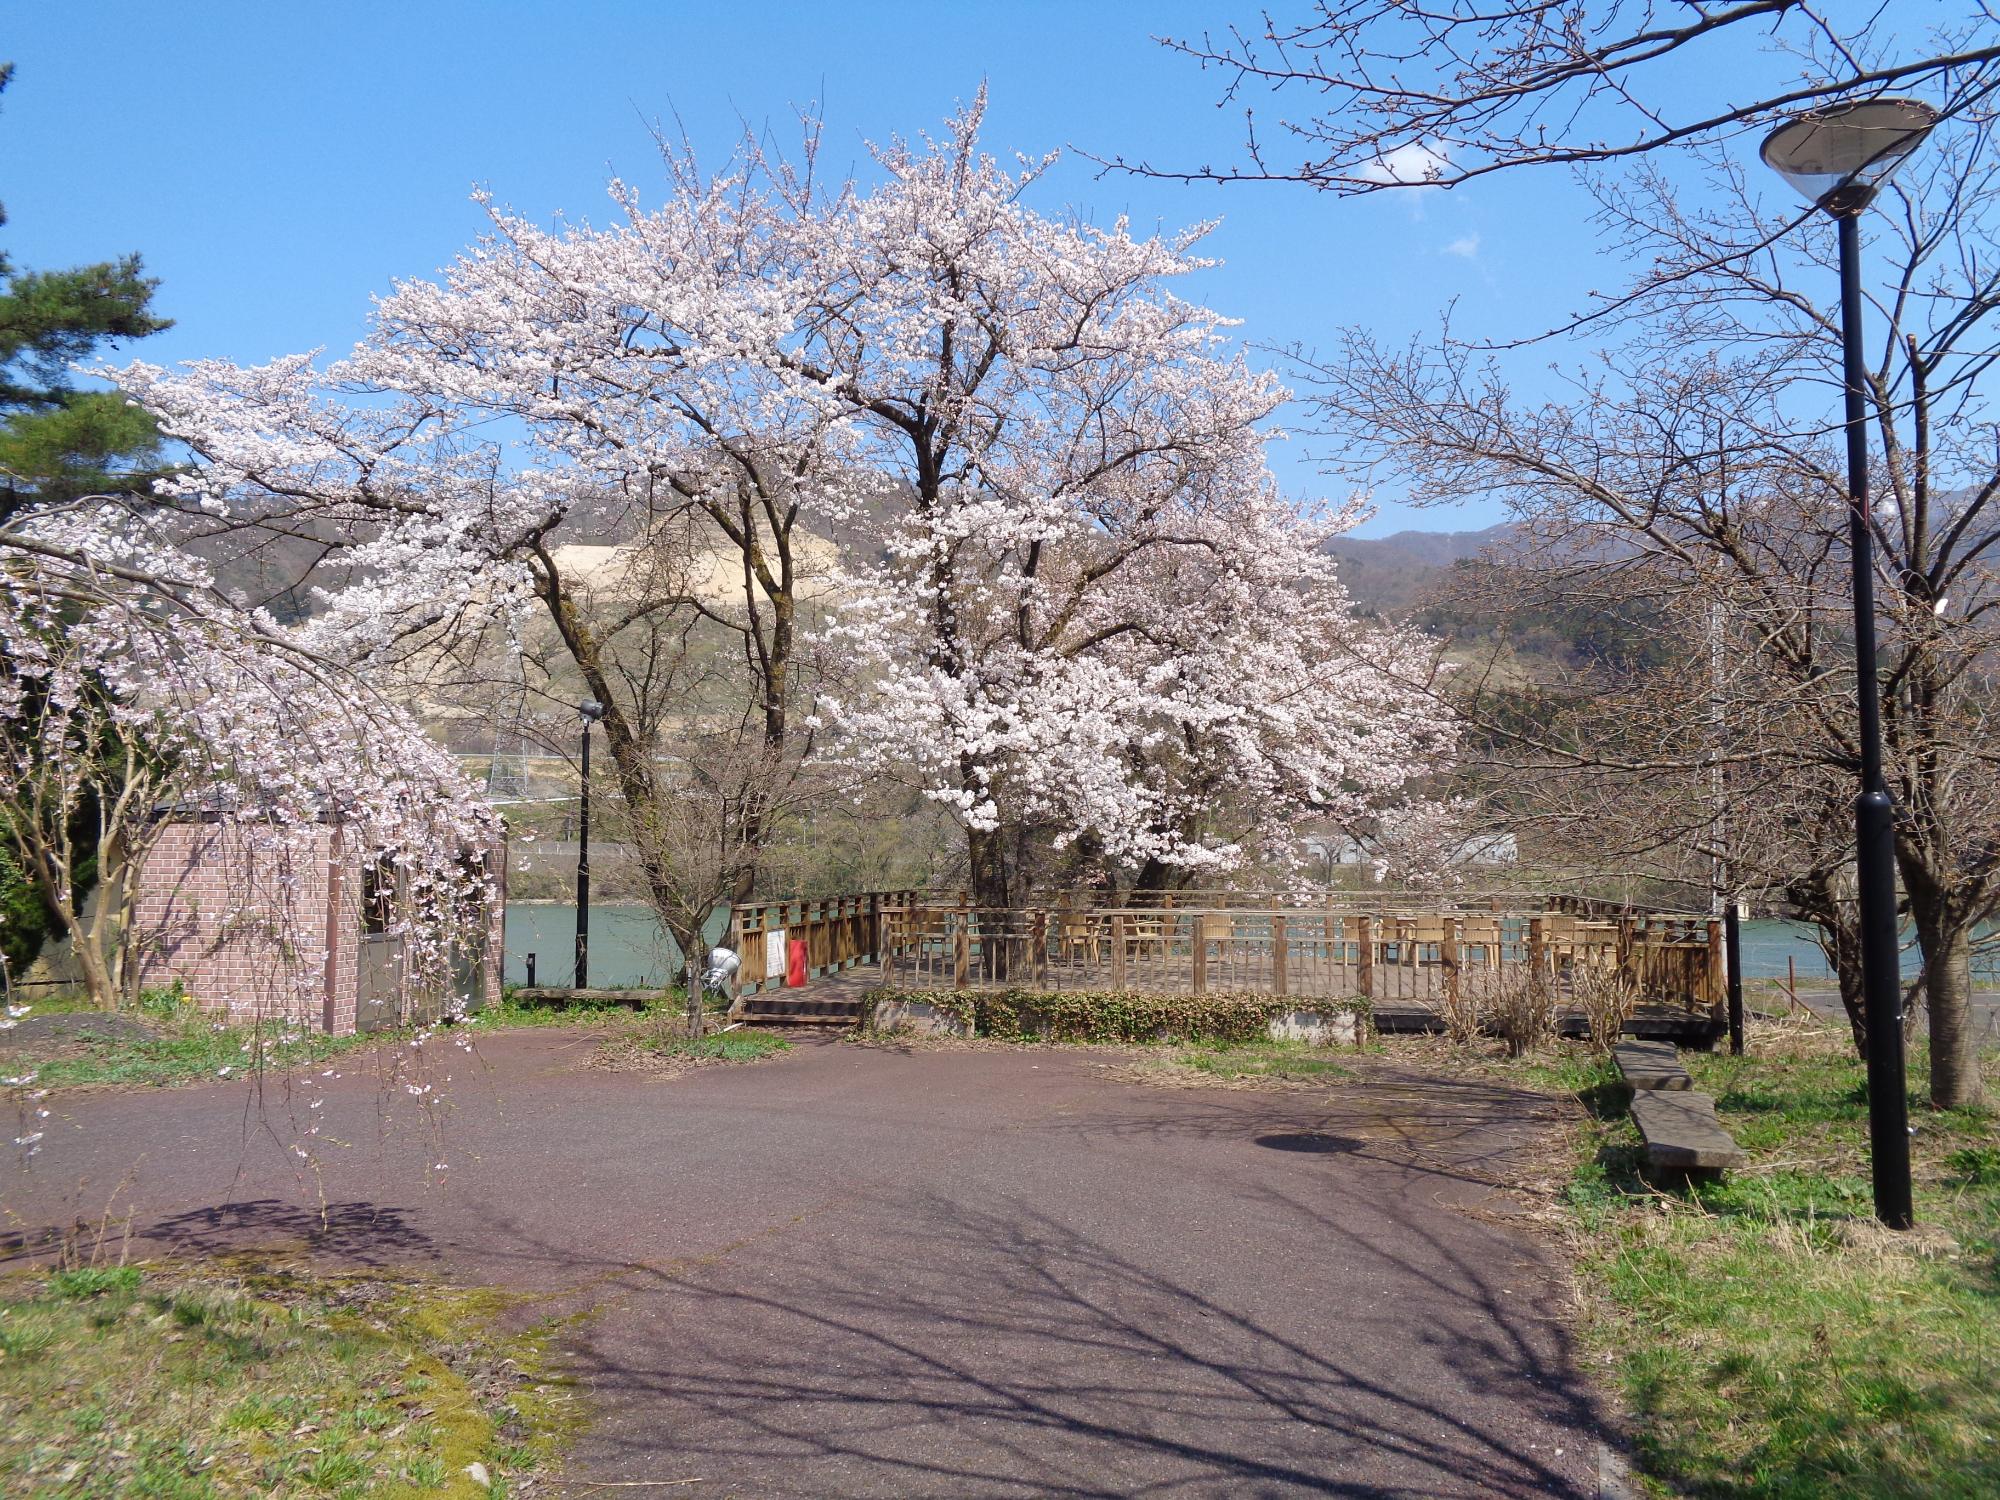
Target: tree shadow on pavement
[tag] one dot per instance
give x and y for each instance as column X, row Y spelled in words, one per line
column 999, row 1350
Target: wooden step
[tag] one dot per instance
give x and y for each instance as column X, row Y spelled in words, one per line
column 1651, row 1065
column 770, row 1010
column 1682, row 1132
column 751, row 1018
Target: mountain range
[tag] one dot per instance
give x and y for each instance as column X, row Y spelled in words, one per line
column 1390, row 574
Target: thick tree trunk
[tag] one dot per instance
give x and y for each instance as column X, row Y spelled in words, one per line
column 1955, row 1079
column 986, row 858
column 986, row 855
column 1156, row 876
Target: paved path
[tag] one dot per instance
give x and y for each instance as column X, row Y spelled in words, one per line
column 861, row 1272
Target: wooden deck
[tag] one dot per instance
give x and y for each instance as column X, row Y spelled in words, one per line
column 834, row 999
column 1406, row 962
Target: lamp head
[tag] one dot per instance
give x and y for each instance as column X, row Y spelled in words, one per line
column 590, row 710
column 1839, row 156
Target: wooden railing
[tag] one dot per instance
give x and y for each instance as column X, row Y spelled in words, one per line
column 1377, row 899
column 839, row 932
column 1391, row 957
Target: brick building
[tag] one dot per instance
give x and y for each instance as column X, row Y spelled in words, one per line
column 264, row 928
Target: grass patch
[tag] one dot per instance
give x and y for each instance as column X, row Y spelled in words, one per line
column 1768, row 1338
column 732, row 1046
column 660, row 1044
column 52, row 1000
column 513, row 1012
column 187, row 1045
column 246, row 1380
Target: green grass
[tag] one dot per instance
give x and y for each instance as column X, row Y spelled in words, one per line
column 50, row 1001
column 242, row 1381
column 1768, row 1339
column 190, row 1046
column 513, row 1012
column 732, row 1046
column 1234, row 1060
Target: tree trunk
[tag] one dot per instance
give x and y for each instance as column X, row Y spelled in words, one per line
column 986, row 856
column 986, row 853
column 1825, row 897
column 1843, row 944
column 693, row 961
column 1156, row 876
column 1955, row 1079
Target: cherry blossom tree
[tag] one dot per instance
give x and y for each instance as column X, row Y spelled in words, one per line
column 1070, row 599
column 130, row 682
column 1093, row 612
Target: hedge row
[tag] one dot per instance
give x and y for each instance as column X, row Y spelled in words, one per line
column 1106, row 1015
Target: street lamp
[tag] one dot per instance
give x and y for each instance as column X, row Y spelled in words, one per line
column 590, row 711
column 1838, row 158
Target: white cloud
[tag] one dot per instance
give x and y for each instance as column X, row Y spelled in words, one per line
column 1465, row 247
column 1414, row 165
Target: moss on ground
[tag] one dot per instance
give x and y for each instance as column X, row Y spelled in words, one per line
column 242, row 1378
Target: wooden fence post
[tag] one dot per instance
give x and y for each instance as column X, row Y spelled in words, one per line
column 961, row 958
column 1118, row 950
column 1448, row 955
column 1200, row 921
column 1717, row 976
column 1041, row 966
column 1538, row 947
column 1365, row 964
column 1278, row 955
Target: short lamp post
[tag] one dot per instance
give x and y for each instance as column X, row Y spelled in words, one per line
column 1838, row 158
column 590, row 711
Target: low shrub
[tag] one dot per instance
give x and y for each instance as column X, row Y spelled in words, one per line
column 1521, row 1007
column 1109, row 1016
column 1607, row 1000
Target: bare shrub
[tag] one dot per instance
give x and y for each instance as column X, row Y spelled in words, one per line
column 1519, row 1005
column 1463, row 1005
column 1607, row 999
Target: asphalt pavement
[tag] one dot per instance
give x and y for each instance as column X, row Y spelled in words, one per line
column 857, row 1271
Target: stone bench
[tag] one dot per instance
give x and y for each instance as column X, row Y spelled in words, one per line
column 1681, row 1131
column 1651, row 1065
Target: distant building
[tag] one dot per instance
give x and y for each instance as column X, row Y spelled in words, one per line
column 264, row 931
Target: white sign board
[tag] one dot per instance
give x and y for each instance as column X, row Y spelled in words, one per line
column 774, row 953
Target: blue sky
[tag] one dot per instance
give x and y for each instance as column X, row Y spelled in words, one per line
column 276, row 164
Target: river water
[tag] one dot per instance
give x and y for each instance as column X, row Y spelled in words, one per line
column 628, row 949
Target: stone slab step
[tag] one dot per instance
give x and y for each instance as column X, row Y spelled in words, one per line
column 1682, row 1132
column 1651, row 1065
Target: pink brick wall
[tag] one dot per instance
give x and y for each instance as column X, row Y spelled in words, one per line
column 238, row 917
column 260, row 929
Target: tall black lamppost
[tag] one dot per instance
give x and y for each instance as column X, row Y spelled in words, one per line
column 590, row 711
column 1838, row 158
